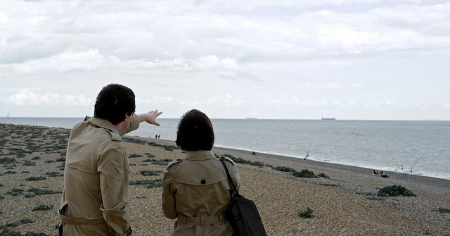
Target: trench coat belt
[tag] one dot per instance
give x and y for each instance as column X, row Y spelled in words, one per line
column 80, row 220
column 202, row 220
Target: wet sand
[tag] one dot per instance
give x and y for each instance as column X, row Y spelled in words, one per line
column 345, row 204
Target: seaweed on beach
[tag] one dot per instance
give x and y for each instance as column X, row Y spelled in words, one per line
column 15, row 192
column 134, row 156
column 284, row 169
column 162, row 162
column 394, row 191
column 3, row 142
column 133, row 140
column 29, row 163
column 444, row 210
column 258, row 163
column 149, row 155
column 32, row 192
column 322, row 175
column 43, row 208
column 16, row 223
column 238, row 159
column 151, row 183
column 150, row 172
column 306, row 214
column 36, row 178
column 10, row 233
column 305, row 173
column 155, row 184
column 7, row 160
column 15, row 233
column 54, row 174
column 153, row 144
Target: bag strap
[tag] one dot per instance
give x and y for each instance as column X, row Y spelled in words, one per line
column 233, row 187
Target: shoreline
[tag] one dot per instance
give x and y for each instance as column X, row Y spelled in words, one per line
column 422, row 169
column 402, row 177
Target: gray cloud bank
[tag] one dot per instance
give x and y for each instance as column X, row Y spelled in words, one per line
column 301, row 59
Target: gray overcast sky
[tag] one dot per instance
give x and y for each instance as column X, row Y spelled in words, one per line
column 272, row 59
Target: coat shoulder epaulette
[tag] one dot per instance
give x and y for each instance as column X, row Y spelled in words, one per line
column 173, row 163
column 227, row 159
column 114, row 136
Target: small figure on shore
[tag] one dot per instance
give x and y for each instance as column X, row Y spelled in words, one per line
column 159, row 136
column 307, row 155
column 375, row 172
column 253, row 153
column 383, row 175
column 156, row 136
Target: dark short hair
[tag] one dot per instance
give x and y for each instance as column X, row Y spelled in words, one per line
column 195, row 132
column 114, row 103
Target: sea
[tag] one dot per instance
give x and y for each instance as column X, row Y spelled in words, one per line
column 412, row 147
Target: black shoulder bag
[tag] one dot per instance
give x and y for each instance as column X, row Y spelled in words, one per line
column 242, row 212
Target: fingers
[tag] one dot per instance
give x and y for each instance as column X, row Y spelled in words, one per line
column 154, row 114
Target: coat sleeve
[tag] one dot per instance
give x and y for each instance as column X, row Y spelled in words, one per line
column 168, row 196
column 134, row 125
column 113, row 172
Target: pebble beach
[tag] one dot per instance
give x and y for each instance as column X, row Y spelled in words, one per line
column 344, row 201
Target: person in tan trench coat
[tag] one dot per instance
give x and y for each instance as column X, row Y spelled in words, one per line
column 195, row 188
column 96, row 171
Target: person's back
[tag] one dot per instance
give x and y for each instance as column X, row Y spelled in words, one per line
column 195, row 188
column 96, row 171
column 94, row 149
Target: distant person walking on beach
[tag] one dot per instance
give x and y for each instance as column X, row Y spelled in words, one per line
column 96, row 170
column 195, row 188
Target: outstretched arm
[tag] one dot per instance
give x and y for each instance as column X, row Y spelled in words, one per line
column 150, row 117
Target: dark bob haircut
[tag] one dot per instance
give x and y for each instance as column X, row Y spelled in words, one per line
column 114, row 103
column 195, row 132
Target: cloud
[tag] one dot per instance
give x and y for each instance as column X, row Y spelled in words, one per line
column 227, row 53
column 386, row 103
column 28, row 98
column 324, row 85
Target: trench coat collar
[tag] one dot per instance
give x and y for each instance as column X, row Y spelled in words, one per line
column 199, row 155
column 102, row 123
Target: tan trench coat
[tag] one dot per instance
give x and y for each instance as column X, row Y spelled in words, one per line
column 96, row 180
column 195, row 191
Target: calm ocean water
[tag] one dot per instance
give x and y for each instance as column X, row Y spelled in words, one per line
column 416, row 147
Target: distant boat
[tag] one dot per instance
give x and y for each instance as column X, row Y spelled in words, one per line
column 251, row 118
column 328, row 118
column 7, row 116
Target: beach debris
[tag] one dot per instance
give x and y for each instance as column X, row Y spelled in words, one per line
column 356, row 134
column 307, row 151
column 415, row 163
column 399, row 167
column 383, row 175
column 307, row 155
